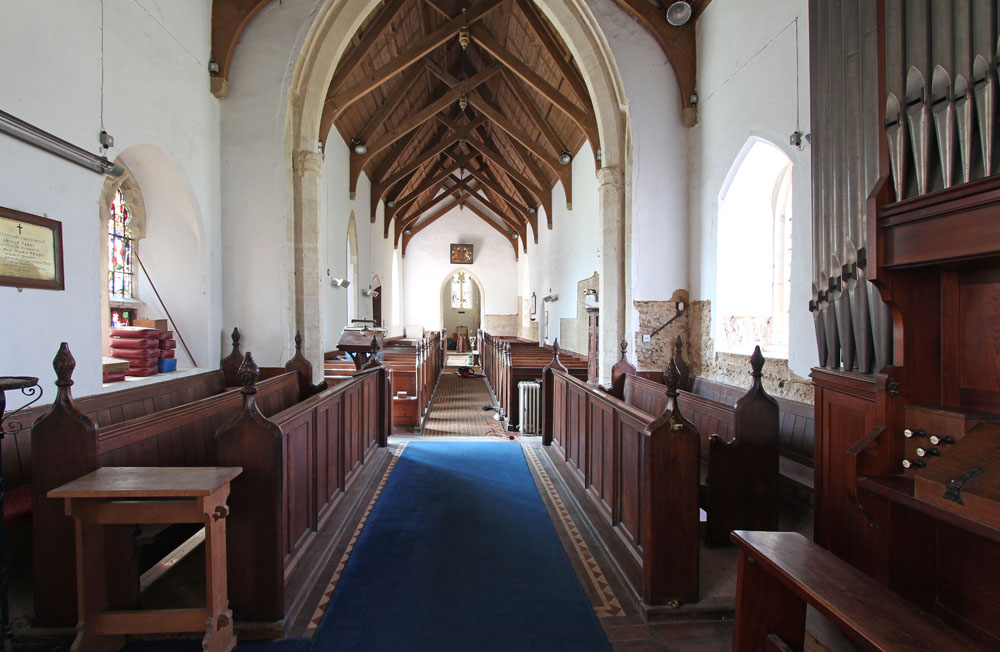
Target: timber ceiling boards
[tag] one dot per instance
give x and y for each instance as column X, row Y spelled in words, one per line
column 482, row 126
column 398, row 87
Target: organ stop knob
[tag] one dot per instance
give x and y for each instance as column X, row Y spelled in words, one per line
column 919, row 432
column 928, row 452
column 947, row 439
column 914, row 464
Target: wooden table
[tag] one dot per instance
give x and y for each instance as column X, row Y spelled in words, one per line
column 133, row 495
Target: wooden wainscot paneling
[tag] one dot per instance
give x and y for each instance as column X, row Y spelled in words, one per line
column 640, row 472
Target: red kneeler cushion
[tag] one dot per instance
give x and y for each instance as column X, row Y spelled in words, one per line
column 166, row 353
column 16, row 502
column 134, row 343
column 135, row 354
column 142, row 371
column 168, row 344
column 133, row 332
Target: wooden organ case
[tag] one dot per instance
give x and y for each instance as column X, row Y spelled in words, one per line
column 906, row 300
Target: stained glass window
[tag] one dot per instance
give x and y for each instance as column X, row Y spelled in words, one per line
column 121, row 317
column 461, row 291
column 119, row 250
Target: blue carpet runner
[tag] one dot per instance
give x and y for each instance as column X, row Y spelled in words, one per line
column 459, row 554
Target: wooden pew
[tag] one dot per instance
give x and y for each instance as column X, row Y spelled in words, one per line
column 641, row 474
column 135, row 401
column 513, row 360
column 781, row 572
column 739, row 445
column 414, row 366
column 297, row 466
column 711, row 406
column 183, row 435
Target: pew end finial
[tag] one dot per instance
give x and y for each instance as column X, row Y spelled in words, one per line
column 64, row 363
column 757, row 363
column 672, row 378
column 623, row 345
column 249, row 373
column 298, row 342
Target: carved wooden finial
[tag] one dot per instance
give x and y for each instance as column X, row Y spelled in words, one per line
column 298, row 342
column 624, row 347
column 555, row 349
column 64, row 363
column 757, row 362
column 236, row 339
column 249, row 373
column 671, row 378
column 374, row 344
column 678, row 346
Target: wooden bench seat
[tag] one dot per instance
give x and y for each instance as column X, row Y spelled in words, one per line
column 781, row 572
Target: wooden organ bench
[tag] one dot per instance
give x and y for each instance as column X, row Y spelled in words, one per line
column 782, row 572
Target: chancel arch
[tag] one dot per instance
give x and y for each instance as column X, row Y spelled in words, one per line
column 335, row 25
column 463, row 301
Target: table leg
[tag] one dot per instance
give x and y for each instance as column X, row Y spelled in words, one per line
column 219, row 635
column 764, row 606
column 91, row 590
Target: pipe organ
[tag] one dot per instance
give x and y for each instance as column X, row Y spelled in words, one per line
column 906, row 298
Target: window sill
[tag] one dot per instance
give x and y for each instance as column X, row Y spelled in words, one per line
column 136, row 381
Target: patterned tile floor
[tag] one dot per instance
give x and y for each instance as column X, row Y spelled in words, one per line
column 457, row 408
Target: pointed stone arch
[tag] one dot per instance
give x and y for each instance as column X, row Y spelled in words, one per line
column 335, row 24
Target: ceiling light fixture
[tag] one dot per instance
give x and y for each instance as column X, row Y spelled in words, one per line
column 463, row 102
column 531, row 209
column 679, row 13
column 391, row 204
column 513, row 236
column 359, row 147
column 565, row 158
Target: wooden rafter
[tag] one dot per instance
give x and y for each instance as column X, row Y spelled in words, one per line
column 569, row 71
column 359, row 161
column 544, row 198
column 530, row 215
column 586, row 121
column 352, row 59
column 340, row 100
column 486, row 218
column 533, row 113
column 678, row 43
column 229, row 19
column 432, row 180
column 430, row 219
column 382, row 183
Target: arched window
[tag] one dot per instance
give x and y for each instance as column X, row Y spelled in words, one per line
column 461, row 291
column 754, row 255
column 120, row 277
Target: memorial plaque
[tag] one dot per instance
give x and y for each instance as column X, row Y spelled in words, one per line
column 30, row 251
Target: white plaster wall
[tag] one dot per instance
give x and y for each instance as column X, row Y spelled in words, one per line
column 259, row 298
column 656, row 236
column 338, row 210
column 747, row 87
column 155, row 93
column 567, row 254
column 426, row 265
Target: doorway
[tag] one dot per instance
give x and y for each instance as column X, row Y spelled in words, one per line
column 377, row 300
column 461, row 308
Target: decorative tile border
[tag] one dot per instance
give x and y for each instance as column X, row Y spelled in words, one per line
column 609, row 603
column 324, row 601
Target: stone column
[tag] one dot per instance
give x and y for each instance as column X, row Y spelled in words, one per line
column 307, row 170
column 611, row 192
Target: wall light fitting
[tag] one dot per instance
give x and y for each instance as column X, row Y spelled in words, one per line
column 679, row 13
column 359, row 147
column 565, row 158
column 17, row 128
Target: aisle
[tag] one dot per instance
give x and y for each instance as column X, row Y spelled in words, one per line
column 459, row 553
column 457, row 408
